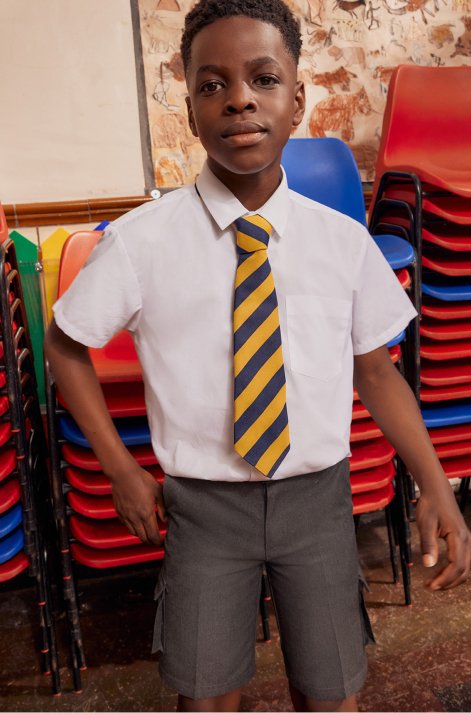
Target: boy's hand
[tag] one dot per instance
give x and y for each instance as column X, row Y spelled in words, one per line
column 136, row 495
column 439, row 517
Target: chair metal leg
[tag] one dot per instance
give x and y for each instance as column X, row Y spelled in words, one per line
column 392, row 544
column 265, row 597
column 463, row 492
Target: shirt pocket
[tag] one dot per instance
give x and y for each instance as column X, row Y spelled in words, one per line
column 318, row 328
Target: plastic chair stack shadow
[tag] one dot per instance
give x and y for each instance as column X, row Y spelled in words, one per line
column 23, row 465
column 325, row 171
column 424, row 172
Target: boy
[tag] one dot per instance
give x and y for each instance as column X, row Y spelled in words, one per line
column 245, row 385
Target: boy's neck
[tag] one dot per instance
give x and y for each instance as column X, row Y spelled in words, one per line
column 253, row 189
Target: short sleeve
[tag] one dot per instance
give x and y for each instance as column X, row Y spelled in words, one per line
column 381, row 307
column 105, row 296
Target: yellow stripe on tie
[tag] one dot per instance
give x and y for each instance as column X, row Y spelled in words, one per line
column 262, row 423
column 249, row 244
column 261, row 222
column 273, row 452
column 254, row 300
column 258, row 383
column 249, row 266
column 255, row 341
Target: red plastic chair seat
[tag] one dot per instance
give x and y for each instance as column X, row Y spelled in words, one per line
column 116, row 557
column 370, row 454
column 445, row 393
column 97, row 507
column 10, row 494
column 373, row 479
column 453, row 450
column 435, row 350
column 446, row 374
column 104, row 535
column 4, row 405
column 445, row 330
column 86, row 459
column 447, row 434
column 15, row 566
column 359, row 411
column 447, row 264
column 457, row 467
column 404, row 278
column 364, row 430
column 448, row 235
column 373, row 501
column 8, row 462
column 5, row 432
column 95, row 483
column 453, row 208
column 449, row 310
column 123, row 399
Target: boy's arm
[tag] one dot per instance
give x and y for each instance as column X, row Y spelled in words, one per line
column 390, row 401
column 135, row 492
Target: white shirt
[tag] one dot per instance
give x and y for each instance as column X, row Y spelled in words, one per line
column 166, row 271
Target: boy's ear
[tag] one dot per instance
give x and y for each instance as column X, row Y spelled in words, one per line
column 191, row 118
column 299, row 103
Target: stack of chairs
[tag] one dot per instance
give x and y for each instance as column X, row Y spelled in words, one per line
column 23, row 469
column 325, row 171
column 423, row 182
column 88, row 529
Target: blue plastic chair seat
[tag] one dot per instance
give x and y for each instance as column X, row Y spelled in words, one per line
column 450, row 415
column 10, row 520
column 132, row 431
column 397, row 339
column 11, row 545
column 397, row 251
column 449, row 289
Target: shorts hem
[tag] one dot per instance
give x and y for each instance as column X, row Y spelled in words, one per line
column 196, row 692
column 331, row 694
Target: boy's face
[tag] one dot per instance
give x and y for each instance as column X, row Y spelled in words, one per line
column 244, row 98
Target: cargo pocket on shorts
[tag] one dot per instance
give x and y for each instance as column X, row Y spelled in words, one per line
column 159, row 597
column 367, row 629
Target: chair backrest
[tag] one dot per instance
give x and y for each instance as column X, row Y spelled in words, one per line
column 427, row 126
column 75, row 252
column 325, row 170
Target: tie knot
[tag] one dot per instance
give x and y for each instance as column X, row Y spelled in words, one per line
column 253, row 233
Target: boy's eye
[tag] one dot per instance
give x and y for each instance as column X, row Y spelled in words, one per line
column 210, row 87
column 267, row 80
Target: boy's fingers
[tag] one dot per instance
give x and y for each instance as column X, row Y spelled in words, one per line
column 153, row 536
column 458, row 567
column 428, row 544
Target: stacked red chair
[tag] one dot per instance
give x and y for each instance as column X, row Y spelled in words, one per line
column 325, row 171
column 23, row 465
column 88, row 528
column 423, row 184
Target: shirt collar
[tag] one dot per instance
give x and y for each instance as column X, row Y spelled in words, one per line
column 225, row 208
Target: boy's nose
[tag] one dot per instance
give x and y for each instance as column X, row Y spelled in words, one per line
column 240, row 98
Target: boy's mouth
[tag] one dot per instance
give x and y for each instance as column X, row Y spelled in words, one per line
column 243, row 133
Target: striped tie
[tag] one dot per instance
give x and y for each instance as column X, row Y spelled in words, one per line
column 261, row 433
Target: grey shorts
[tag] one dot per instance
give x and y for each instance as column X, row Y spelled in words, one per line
column 219, row 537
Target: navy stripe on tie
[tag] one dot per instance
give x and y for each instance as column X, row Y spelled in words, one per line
column 256, row 319
column 254, row 364
column 245, row 226
column 251, row 283
column 277, row 462
column 265, row 441
column 259, row 405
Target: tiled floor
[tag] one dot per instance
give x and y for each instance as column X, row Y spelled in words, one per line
column 421, row 662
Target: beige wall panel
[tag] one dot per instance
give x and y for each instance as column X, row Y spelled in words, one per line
column 69, row 123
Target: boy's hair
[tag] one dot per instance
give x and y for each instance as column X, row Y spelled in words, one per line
column 274, row 12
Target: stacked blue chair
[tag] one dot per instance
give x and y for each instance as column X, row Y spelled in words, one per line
column 429, row 177
column 325, row 171
column 23, row 470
